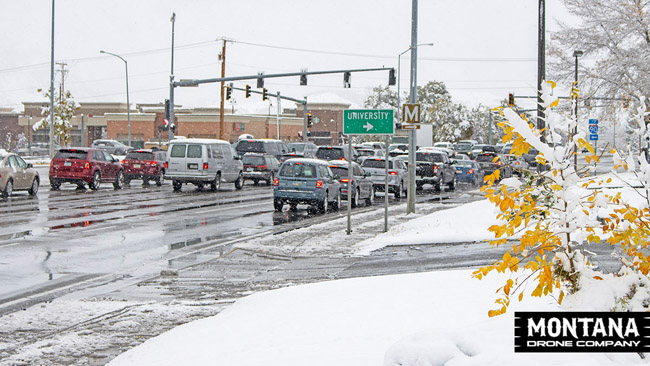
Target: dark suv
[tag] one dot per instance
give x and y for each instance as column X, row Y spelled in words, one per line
column 259, row 167
column 336, row 153
column 146, row 165
column 262, row 146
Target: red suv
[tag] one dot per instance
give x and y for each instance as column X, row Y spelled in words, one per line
column 82, row 166
column 146, row 165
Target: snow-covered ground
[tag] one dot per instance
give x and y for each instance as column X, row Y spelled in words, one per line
column 436, row 318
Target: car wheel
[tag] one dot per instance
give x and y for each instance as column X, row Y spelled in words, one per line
column 239, row 183
column 216, row 183
column 55, row 184
column 324, row 205
column 452, row 184
column 256, row 181
column 119, row 180
column 436, row 186
column 9, row 188
column 97, row 178
column 277, row 205
column 271, row 179
column 293, row 207
column 355, row 199
column 176, row 185
column 160, row 178
column 371, row 198
column 127, row 181
column 34, row 189
column 337, row 203
column 398, row 191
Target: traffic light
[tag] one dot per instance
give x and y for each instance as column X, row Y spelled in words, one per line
column 303, row 79
column 511, row 100
column 167, row 110
column 391, row 77
column 264, row 94
column 308, row 120
column 228, row 92
column 173, row 127
column 248, row 91
column 346, row 79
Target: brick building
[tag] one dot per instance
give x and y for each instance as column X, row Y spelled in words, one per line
column 10, row 130
column 111, row 120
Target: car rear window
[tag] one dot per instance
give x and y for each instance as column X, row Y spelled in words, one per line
column 330, row 154
column 463, row 146
column 139, row 156
column 433, row 158
column 69, row 154
column 298, row 170
column 245, row 146
column 296, row 147
column 178, row 151
column 464, row 163
column 372, row 163
column 253, row 160
column 338, row 170
column 485, row 158
column 194, row 151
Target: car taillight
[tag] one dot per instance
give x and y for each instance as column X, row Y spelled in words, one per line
column 319, row 184
column 435, row 168
column 51, row 164
column 498, row 163
column 87, row 166
column 153, row 163
column 205, row 166
column 392, row 172
column 471, row 171
column 166, row 165
column 345, row 180
column 276, row 181
column 262, row 166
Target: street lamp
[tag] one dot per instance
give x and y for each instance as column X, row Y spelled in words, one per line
column 576, row 54
column 399, row 102
column 128, row 105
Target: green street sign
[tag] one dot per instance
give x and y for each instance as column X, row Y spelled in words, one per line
column 368, row 122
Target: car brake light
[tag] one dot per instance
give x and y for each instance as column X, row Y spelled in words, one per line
column 435, row 168
column 166, row 165
column 276, row 181
column 152, row 163
column 392, row 172
column 319, row 184
column 205, row 166
column 262, row 166
column 87, row 166
column 498, row 163
column 345, row 180
column 51, row 164
column 471, row 171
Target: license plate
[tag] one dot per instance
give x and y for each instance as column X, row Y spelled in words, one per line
column 136, row 165
column 192, row 166
column 297, row 184
column 67, row 163
column 249, row 169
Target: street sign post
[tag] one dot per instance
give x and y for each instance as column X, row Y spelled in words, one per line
column 593, row 130
column 368, row 122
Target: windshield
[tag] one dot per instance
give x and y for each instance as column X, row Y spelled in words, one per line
column 139, row 156
column 372, row 163
column 298, row 170
column 463, row 146
column 296, row 147
column 250, row 146
column 330, row 154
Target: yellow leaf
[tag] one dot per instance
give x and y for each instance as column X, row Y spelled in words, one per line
column 561, row 298
column 521, row 296
column 598, row 278
column 555, row 103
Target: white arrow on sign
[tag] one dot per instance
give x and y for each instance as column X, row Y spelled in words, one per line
column 368, row 126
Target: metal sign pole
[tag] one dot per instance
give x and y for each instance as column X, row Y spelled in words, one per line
column 349, row 185
column 386, row 187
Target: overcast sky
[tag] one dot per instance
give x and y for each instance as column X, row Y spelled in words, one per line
column 483, row 48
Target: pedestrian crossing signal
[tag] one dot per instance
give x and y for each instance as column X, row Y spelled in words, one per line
column 511, row 100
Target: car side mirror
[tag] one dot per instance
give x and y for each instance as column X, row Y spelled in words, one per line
column 30, row 165
column 337, row 177
column 237, row 157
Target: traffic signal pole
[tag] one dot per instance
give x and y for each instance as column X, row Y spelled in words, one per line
column 413, row 98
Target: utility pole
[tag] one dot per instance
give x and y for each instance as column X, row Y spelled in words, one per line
column 541, row 64
column 63, row 72
column 278, row 114
column 222, row 132
column 413, row 98
column 171, row 85
column 52, row 88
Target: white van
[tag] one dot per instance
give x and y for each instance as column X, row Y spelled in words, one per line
column 202, row 162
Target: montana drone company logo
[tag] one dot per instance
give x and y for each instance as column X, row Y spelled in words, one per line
column 582, row 332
